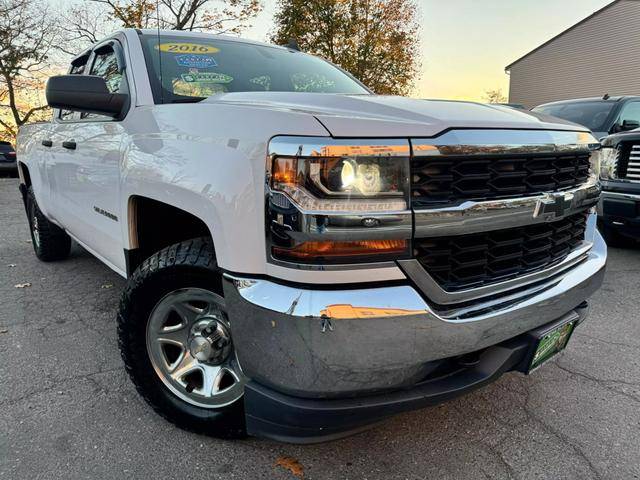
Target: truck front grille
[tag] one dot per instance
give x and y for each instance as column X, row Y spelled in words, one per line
column 629, row 163
column 471, row 261
column 445, row 179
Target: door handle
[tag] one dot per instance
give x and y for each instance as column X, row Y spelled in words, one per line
column 70, row 145
column 47, row 143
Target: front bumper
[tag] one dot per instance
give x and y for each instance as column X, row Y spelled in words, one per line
column 323, row 346
column 286, row 418
column 619, row 208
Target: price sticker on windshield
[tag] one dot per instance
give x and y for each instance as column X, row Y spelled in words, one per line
column 175, row 47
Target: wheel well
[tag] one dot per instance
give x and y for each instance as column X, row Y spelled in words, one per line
column 154, row 225
column 24, row 172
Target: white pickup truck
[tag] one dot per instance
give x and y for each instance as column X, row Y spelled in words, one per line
column 303, row 257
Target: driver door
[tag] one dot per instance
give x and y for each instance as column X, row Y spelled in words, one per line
column 87, row 166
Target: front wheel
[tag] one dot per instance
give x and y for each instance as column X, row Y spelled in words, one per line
column 176, row 342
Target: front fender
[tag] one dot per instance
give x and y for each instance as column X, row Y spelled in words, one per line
column 211, row 166
column 207, row 181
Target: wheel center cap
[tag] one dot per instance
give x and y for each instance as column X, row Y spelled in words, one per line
column 210, row 341
column 200, row 348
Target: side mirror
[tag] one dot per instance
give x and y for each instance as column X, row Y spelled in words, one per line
column 84, row 93
column 630, row 125
column 625, row 126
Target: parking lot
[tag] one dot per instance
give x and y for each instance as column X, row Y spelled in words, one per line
column 68, row 410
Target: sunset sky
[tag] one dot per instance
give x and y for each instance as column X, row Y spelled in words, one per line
column 467, row 43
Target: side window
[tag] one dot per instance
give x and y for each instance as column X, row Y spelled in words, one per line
column 105, row 65
column 77, row 68
column 631, row 111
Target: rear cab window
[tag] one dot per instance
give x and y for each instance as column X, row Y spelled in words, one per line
column 77, row 68
column 105, row 64
column 191, row 68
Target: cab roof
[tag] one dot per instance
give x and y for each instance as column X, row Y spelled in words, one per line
column 612, row 99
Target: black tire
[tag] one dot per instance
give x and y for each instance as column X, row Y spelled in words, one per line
column 50, row 243
column 183, row 265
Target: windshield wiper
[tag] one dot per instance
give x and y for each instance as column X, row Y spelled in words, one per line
column 187, row 100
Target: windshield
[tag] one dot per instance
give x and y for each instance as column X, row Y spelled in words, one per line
column 187, row 68
column 592, row 115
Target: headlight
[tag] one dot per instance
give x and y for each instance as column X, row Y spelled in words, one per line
column 355, row 183
column 338, row 201
column 605, row 162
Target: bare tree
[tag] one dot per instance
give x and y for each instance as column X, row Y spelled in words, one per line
column 27, row 36
column 230, row 17
column 83, row 24
column 131, row 13
column 219, row 16
column 495, row 96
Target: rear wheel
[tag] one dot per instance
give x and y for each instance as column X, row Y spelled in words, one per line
column 50, row 242
column 176, row 343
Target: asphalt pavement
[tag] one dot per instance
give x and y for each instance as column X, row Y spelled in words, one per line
column 69, row 411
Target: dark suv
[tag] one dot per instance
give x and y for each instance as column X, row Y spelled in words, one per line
column 603, row 116
column 619, row 208
column 8, row 163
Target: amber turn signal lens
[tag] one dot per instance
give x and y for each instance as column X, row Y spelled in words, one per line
column 309, row 250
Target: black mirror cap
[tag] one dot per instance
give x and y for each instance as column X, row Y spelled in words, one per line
column 84, row 93
column 629, row 125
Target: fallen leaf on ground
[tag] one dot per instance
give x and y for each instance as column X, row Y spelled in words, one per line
column 291, row 464
column 23, row 285
column 107, row 285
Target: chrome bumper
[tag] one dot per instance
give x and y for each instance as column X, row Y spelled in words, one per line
column 329, row 343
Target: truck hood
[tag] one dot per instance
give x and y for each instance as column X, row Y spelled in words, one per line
column 391, row 116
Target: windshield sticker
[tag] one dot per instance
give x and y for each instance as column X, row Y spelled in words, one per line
column 206, row 77
column 174, row 47
column 196, row 61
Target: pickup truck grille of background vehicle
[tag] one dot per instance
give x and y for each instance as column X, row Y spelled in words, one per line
column 444, row 179
column 475, row 260
column 629, row 163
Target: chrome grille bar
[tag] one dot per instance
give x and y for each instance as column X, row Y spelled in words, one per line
column 473, row 217
column 633, row 165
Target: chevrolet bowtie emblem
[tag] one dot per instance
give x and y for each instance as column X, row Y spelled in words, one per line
column 554, row 205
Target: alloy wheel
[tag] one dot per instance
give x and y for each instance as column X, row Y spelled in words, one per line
column 190, row 347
